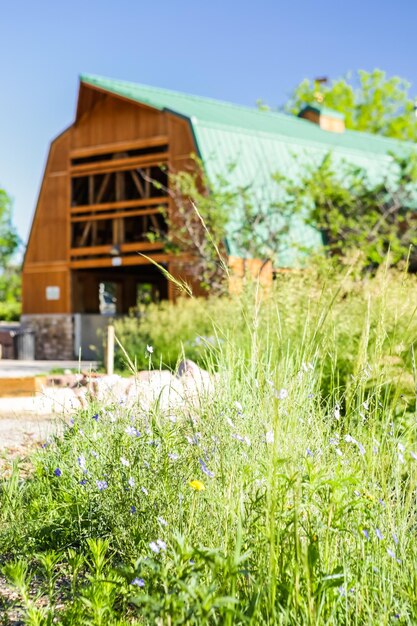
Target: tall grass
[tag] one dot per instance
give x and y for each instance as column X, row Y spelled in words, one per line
column 287, row 497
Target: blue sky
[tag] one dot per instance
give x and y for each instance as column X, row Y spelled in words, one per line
column 237, row 51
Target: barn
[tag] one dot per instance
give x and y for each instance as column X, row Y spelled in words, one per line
column 105, row 188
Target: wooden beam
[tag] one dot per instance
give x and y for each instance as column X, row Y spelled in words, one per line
column 123, row 204
column 140, row 246
column 139, row 185
column 113, row 216
column 122, row 146
column 114, row 165
column 126, row 260
column 102, row 189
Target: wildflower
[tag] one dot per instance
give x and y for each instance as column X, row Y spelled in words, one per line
column 334, row 441
column 197, row 485
column 95, row 417
column 379, row 534
column 269, row 437
column 400, row 457
column 57, row 471
column 138, row 582
column 366, row 534
column 381, row 502
column 309, row 452
column 310, row 396
column 229, row 421
column 238, row 406
column 173, row 456
column 395, row 538
column 391, row 553
column 338, row 452
column 161, row 544
column 145, row 491
column 82, row 462
column 131, row 482
column 83, row 482
column 149, row 349
column 162, row 521
column 337, row 412
column 101, row 484
column 401, row 448
column 132, row 509
column 282, row 394
column 172, row 419
column 413, row 455
column 71, row 422
column 357, row 493
column 205, row 469
column 124, row 461
column 154, row 547
column 350, row 439
column 94, row 454
column 131, row 431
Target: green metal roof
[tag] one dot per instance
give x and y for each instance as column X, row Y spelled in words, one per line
column 261, row 143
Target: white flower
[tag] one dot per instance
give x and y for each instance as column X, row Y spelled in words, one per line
column 145, row 491
column 162, row 521
column 269, row 437
column 238, row 406
column 149, row 349
column 401, row 448
column 124, row 461
column 131, row 482
column 337, row 412
column 281, row 394
column 338, row 452
column 229, row 421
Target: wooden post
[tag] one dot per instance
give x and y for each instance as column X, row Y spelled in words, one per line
column 110, row 350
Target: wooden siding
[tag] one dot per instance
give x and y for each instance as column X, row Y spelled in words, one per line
column 104, row 124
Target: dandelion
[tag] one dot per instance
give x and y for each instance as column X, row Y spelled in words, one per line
column 57, row 472
column 131, row 482
column 101, row 485
column 124, row 461
column 379, row 534
column 197, row 485
column 138, row 582
column 162, row 521
column 149, row 349
column 205, row 469
column 145, row 491
column 269, row 437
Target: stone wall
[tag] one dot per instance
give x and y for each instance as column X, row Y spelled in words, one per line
column 54, row 335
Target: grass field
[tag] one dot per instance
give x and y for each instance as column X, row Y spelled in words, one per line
column 288, row 497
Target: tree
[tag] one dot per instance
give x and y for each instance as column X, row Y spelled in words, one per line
column 10, row 280
column 370, row 101
column 354, row 214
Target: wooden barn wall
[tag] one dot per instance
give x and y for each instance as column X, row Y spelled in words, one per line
column 114, row 120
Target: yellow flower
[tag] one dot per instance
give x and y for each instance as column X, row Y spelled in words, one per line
column 197, row 485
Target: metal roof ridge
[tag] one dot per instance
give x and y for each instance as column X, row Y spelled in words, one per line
column 301, row 141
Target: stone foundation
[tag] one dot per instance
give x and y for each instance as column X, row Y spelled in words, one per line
column 54, row 335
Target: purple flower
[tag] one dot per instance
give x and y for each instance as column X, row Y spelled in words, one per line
column 101, row 484
column 132, row 509
column 205, row 469
column 309, row 452
column 394, row 536
column 173, row 457
column 83, row 482
column 145, row 491
column 95, row 417
column 391, row 553
column 130, row 430
column 94, row 454
column 138, row 582
column 161, row 544
column 131, row 482
column 82, row 462
column 57, row 471
column 379, row 534
column 366, row 534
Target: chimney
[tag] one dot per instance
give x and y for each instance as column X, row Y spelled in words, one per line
column 327, row 119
